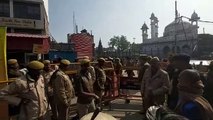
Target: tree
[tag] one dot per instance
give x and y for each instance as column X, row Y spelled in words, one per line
column 113, row 42
column 123, row 43
column 119, row 42
column 100, row 49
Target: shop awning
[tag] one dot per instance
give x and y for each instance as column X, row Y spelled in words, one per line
column 16, row 41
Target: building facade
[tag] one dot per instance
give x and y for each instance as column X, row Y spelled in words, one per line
column 83, row 43
column 27, row 28
column 179, row 37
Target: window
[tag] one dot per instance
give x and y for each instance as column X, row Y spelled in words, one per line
column 27, row 10
column 4, row 8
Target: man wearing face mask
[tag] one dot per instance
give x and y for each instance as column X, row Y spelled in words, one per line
column 156, row 85
column 30, row 90
column 63, row 90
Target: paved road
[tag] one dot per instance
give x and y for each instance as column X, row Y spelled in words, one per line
column 123, row 111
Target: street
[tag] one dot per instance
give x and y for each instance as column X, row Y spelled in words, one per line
column 123, row 111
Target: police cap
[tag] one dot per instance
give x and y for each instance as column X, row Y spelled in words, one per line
column 85, row 57
column 46, row 62
column 36, row 65
column 85, row 61
column 65, row 62
column 12, row 61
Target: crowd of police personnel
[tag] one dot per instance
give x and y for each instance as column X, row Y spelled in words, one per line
column 171, row 82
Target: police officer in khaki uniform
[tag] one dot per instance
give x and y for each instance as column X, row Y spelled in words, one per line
column 100, row 79
column 85, row 101
column 47, row 73
column 30, row 88
column 13, row 68
column 63, row 90
column 91, row 70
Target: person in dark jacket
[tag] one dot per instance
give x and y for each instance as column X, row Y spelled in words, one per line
column 180, row 62
column 209, row 85
column 144, row 65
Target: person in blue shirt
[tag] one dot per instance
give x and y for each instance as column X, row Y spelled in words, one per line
column 191, row 104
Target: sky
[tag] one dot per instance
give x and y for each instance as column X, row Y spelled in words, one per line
column 108, row 18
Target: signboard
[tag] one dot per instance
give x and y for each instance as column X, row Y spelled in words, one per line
column 3, row 59
column 21, row 23
column 37, row 48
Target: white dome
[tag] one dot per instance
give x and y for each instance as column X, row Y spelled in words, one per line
column 178, row 27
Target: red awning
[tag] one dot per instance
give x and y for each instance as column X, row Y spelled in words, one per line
column 16, row 41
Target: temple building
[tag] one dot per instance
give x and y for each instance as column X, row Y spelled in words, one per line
column 178, row 37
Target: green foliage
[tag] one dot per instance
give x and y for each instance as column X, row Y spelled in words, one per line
column 119, row 42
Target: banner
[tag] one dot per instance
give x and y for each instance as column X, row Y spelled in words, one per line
column 37, row 48
column 3, row 58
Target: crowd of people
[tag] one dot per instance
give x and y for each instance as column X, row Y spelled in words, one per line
column 172, row 83
column 179, row 87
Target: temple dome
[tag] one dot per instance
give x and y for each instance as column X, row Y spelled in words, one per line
column 195, row 16
column 180, row 26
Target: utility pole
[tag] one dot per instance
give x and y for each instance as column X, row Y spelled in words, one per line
column 176, row 20
column 133, row 46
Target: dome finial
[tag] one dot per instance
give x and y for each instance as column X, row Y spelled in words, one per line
column 194, row 16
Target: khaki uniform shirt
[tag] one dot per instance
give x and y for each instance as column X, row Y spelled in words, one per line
column 32, row 94
column 47, row 76
column 100, row 79
column 85, row 84
column 63, row 90
column 92, row 72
